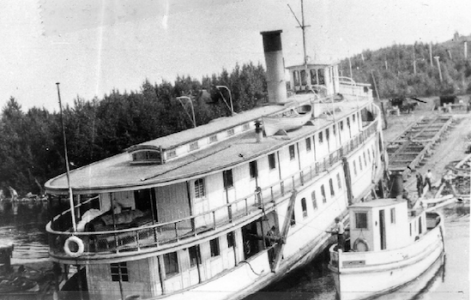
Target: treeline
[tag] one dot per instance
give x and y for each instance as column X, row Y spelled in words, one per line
column 31, row 144
column 31, row 147
column 395, row 74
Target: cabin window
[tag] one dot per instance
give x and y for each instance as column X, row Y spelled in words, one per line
column 410, row 229
column 213, row 138
column 364, row 158
column 321, row 76
column 194, row 146
column 324, row 199
column 199, row 188
column 369, row 155
column 246, row 127
column 420, row 225
column 119, row 271
column 320, row 137
column 194, row 254
column 171, row 263
column 338, row 181
column 353, row 118
column 308, row 144
column 341, row 125
column 327, row 134
column 230, row 240
column 304, row 207
column 227, row 178
column 393, row 215
column 331, row 185
column 314, row 200
column 359, row 161
column 253, row 169
column 296, row 77
column 292, row 154
column 313, row 76
column 230, row 132
column 272, row 161
column 354, row 168
column 214, row 247
column 334, row 130
column 171, row 154
column 293, row 219
column 361, row 221
column 303, row 77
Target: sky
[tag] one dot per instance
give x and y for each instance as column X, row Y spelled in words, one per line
column 94, row 46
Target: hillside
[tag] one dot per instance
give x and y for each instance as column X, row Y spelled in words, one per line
column 407, row 70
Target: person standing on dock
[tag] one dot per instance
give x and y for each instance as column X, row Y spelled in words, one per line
column 419, row 184
column 340, row 231
column 428, row 179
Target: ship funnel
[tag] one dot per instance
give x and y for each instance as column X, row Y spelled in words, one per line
column 275, row 67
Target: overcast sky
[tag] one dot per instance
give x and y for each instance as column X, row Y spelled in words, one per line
column 94, row 46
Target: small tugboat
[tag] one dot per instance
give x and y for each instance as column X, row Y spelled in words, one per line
column 390, row 246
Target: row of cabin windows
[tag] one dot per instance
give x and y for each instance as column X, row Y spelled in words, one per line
column 360, row 161
column 314, row 200
column 253, row 169
column 171, row 264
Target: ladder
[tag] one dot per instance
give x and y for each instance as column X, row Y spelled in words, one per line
column 284, row 233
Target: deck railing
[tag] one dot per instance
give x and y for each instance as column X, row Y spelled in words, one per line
column 161, row 235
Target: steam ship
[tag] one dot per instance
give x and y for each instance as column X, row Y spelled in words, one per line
column 224, row 209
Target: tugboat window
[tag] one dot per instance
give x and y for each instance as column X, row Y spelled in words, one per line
column 321, row 76
column 361, row 221
column 227, row 178
column 314, row 76
column 118, row 269
column 171, row 263
column 214, row 246
column 303, row 77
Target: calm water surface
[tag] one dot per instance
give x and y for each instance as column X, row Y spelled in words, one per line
column 24, row 225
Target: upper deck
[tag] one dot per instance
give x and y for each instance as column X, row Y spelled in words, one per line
column 118, row 173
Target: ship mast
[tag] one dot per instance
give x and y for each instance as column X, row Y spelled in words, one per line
column 303, row 27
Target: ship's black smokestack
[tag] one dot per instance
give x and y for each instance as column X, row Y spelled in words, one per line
column 275, row 68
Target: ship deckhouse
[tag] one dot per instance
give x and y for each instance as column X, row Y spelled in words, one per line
column 225, row 208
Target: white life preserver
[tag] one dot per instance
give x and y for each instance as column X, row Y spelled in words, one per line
column 360, row 245
column 79, row 242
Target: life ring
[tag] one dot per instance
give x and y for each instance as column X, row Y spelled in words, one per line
column 80, row 246
column 360, row 245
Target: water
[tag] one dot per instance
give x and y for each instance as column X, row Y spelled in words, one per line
column 24, row 225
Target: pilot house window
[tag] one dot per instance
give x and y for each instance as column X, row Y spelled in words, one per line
column 361, row 221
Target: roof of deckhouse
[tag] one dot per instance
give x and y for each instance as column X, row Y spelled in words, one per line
column 117, row 174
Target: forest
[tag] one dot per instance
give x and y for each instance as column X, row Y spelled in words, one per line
column 31, row 143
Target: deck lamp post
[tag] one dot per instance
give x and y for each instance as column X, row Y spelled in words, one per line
column 437, row 58
column 230, row 97
column 192, row 108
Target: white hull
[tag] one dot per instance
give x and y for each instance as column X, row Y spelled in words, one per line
column 363, row 282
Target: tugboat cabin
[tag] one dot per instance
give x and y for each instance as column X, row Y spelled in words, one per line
column 384, row 224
